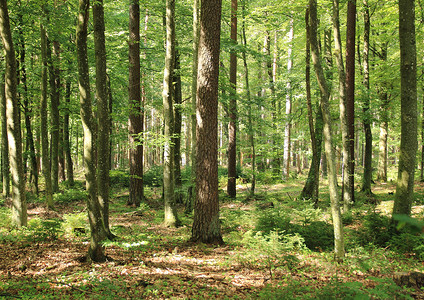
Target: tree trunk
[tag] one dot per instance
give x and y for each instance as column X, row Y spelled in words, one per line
column 384, row 125
column 135, row 120
column 310, row 190
column 44, row 120
column 366, row 121
column 103, row 155
column 96, row 251
column 332, row 181
column 171, row 218
column 349, row 189
column 409, row 142
column 206, row 224
column 287, row 127
column 66, row 140
column 232, row 108
column 19, row 207
column 5, row 166
column 176, row 140
column 250, row 133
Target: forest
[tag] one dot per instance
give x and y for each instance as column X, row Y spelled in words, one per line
column 196, row 149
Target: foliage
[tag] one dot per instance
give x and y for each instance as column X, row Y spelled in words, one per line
column 119, row 178
column 75, row 224
column 376, row 229
column 153, row 176
column 43, row 230
column 70, row 195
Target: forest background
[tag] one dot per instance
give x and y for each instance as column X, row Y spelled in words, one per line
column 132, row 91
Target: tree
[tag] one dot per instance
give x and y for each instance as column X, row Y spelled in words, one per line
column 206, row 224
column 408, row 143
column 19, row 208
column 366, row 119
column 135, row 120
column 66, row 137
column 171, row 218
column 43, row 116
column 232, row 108
column 349, row 186
column 102, row 113
column 329, row 152
column 96, row 251
column 288, row 125
column 5, row 145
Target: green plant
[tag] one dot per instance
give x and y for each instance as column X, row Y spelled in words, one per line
column 75, row 223
column 119, row 178
column 376, row 229
column 42, row 230
column 71, row 195
column 273, row 219
column 153, row 176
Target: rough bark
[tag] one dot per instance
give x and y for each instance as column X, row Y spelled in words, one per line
column 19, row 207
column 409, row 141
column 366, row 118
column 171, row 218
column 176, row 140
column 206, row 224
column 332, row 176
column 103, row 154
column 96, row 251
column 66, row 139
column 135, row 122
column 232, row 108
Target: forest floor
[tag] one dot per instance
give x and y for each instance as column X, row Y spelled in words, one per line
column 150, row 261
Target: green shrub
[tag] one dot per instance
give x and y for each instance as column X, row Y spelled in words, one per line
column 153, row 176
column 69, row 196
column 75, row 224
column 408, row 242
column 119, row 178
column 318, row 235
column 43, row 230
column 273, row 219
column 376, row 229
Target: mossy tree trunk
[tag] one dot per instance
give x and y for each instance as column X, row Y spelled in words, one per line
column 19, row 207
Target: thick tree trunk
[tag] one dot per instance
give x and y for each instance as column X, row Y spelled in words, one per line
column 206, row 224
column 367, row 176
column 96, row 251
column 409, row 141
column 135, row 120
column 171, row 218
column 332, row 180
column 44, row 121
column 232, row 108
column 19, row 207
column 103, row 155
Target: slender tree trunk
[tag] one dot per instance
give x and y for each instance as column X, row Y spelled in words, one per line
column 384, row 126
column 103, row 155
column 44, row 120
column 422, row 130
column 96, row 251
column 176, row 140
column 232, row 108
column 135, row 121
column 350, row 102
column 332, row 182
column 66, row 138
column 409, row 141
column 251, row 133
column 171, row 218
column 206, row 224
column 5, row 167
column 367, row 176
column 287, row 128
column 19, row 207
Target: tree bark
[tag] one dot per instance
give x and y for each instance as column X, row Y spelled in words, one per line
column 103, row 155
column 44, row 121
column 206, row 224
column 349, row 195
column 176, row 140
column 66, row 139
column 409, row 142
column 19, row 207
column 366, row 121
column 287, row 127
column 332, row 180
column 5, row 166
column 135, row 120
column 232, row 108
column 96, row 251
column 171, row 218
